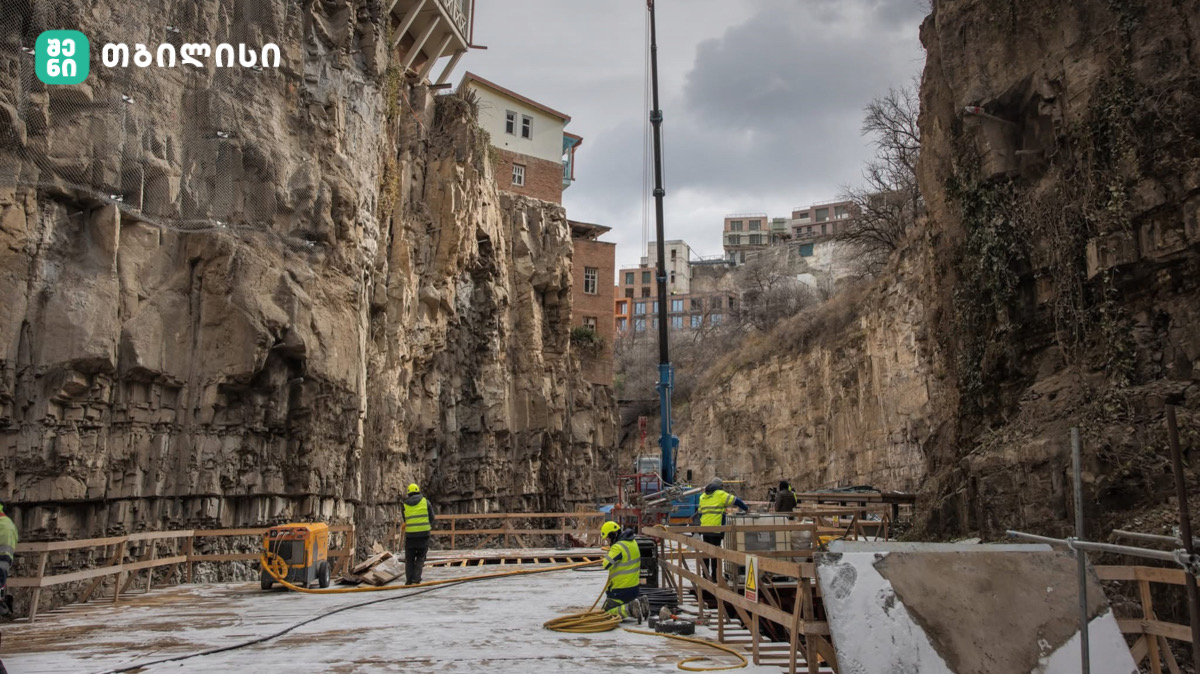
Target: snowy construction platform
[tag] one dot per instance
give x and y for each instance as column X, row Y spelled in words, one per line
column 493, row 625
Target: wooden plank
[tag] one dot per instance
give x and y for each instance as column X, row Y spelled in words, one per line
column 1156, row 627
column 1148, row 573
column 1165, row 648
column 160, row 535
column 1139, row 650
column 37, row 594
column 790, row 569
column 1148, row 614
column 772, row 614
column 53, row 546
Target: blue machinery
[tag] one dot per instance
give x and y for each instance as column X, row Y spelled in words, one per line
column 653, row 493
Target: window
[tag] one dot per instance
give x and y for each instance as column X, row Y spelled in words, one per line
column 755, row 225
column 655, row 309
column 673, row 252
column 639, row 325
column 639, row 308
column 677, row 322
column 672, row 278
column 802, row 216
column 697, row 304
column 735, row 225
column 645, row 277
column 589, row 322
column 697, row 320
column 622, row 307
column 645, row 292
column 715, row 319
column 590, row 280
column 676, row 306
column 656, row 324
column 735, row 240
column 756, row 239
column 732, row 303
column 822, row 214
column 810, row 230
column 628, row 278
column 526, row 127
column 629, row 292
column 806, row 250
column 510, row 122
column 518, row 175
column 714, row 303
column 622, row 324
column 840, row 212
column 823, row 226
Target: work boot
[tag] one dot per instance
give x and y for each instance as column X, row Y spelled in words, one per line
column 635, row 609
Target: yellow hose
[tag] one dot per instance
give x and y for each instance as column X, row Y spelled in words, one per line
column 590, row 622
column 266, row 565
column 683, row 664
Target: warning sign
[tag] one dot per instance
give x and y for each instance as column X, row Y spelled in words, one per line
column 751, row 578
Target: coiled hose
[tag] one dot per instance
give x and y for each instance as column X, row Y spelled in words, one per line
column 592, row 621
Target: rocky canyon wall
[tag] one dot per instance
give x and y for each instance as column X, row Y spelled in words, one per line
column 1054, row 282
column 239, row 296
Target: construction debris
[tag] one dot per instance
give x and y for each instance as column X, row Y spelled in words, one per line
column 380, row 568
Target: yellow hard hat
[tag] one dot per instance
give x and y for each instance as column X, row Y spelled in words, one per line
column 609, row 528
column 413, row 488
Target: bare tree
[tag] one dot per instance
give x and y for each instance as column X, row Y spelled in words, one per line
column 770, row 292
column 889, row 201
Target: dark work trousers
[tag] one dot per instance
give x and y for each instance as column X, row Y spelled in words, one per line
column 713, row 564
column 415, row 549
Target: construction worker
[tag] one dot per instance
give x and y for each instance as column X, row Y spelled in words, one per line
column 713, row 503
column 785, row 498
column 8, row 548
column 624, row 564
column 418, row 521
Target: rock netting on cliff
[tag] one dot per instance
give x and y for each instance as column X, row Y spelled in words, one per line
column 238, row 296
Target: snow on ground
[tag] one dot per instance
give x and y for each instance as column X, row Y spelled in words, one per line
column 491, row 625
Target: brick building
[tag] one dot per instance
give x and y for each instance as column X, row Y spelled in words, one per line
column 535, row 154
column 592, row 266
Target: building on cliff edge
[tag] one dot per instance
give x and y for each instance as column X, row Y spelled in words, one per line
column 592, row 271
column 535, row 152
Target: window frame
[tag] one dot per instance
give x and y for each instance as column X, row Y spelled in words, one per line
column 591, row 278
column 526, row 127
column 510, row 122
column 518, row 171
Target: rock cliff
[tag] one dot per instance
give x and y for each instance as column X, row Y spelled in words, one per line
column 239, row 296
column 1053, row 283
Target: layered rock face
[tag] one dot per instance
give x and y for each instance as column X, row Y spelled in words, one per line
column 1053, row 283
column 237, row 296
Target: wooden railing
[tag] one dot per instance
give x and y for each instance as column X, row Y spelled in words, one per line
column 807, row 634
column 1153, row 633
column 583, row 526
column 181, row 559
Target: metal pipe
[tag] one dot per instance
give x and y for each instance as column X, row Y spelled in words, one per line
column 1154, row 538
column 1080, row 555
column 1160, row 555
column 1185, row 531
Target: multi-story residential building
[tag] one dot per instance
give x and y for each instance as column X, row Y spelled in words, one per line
column 820, row 221
column 686, row 312
column 535, row 154
column 640, row 281
column 622, row 311
column 424, row 31
column 745, row 232
column 592, row 266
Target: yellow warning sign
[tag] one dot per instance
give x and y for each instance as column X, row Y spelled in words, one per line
column 751, row 578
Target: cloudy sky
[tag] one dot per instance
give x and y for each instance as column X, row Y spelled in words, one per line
column 762, row 99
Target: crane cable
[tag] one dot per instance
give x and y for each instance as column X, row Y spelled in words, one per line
column 592, row 621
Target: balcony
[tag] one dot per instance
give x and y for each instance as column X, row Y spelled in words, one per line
column 424, row 31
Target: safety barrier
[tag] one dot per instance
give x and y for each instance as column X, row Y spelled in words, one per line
column 1153, row 633
column 808, row 640
column 584, row 526
column 180, row 558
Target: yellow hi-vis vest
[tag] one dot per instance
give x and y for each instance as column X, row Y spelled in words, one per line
column 8, row 537
column 624, row 563
column 712, row 508
column 416, row 518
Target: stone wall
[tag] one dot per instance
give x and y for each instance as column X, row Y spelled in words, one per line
column 327, row 300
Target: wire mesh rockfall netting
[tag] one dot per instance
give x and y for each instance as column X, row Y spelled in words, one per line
column 190, row 118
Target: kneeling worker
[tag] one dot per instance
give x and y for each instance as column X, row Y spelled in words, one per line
column 624, row 564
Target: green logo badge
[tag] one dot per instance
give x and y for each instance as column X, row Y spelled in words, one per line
column 63, row 57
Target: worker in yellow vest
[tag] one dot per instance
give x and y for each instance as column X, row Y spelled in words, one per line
column 8, row 548
column 713, row 504
column 418, row 522
column 624, row 563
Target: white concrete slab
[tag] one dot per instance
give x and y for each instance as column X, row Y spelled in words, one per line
column 491, row 625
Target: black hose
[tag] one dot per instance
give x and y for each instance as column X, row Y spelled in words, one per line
column 282, row 632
